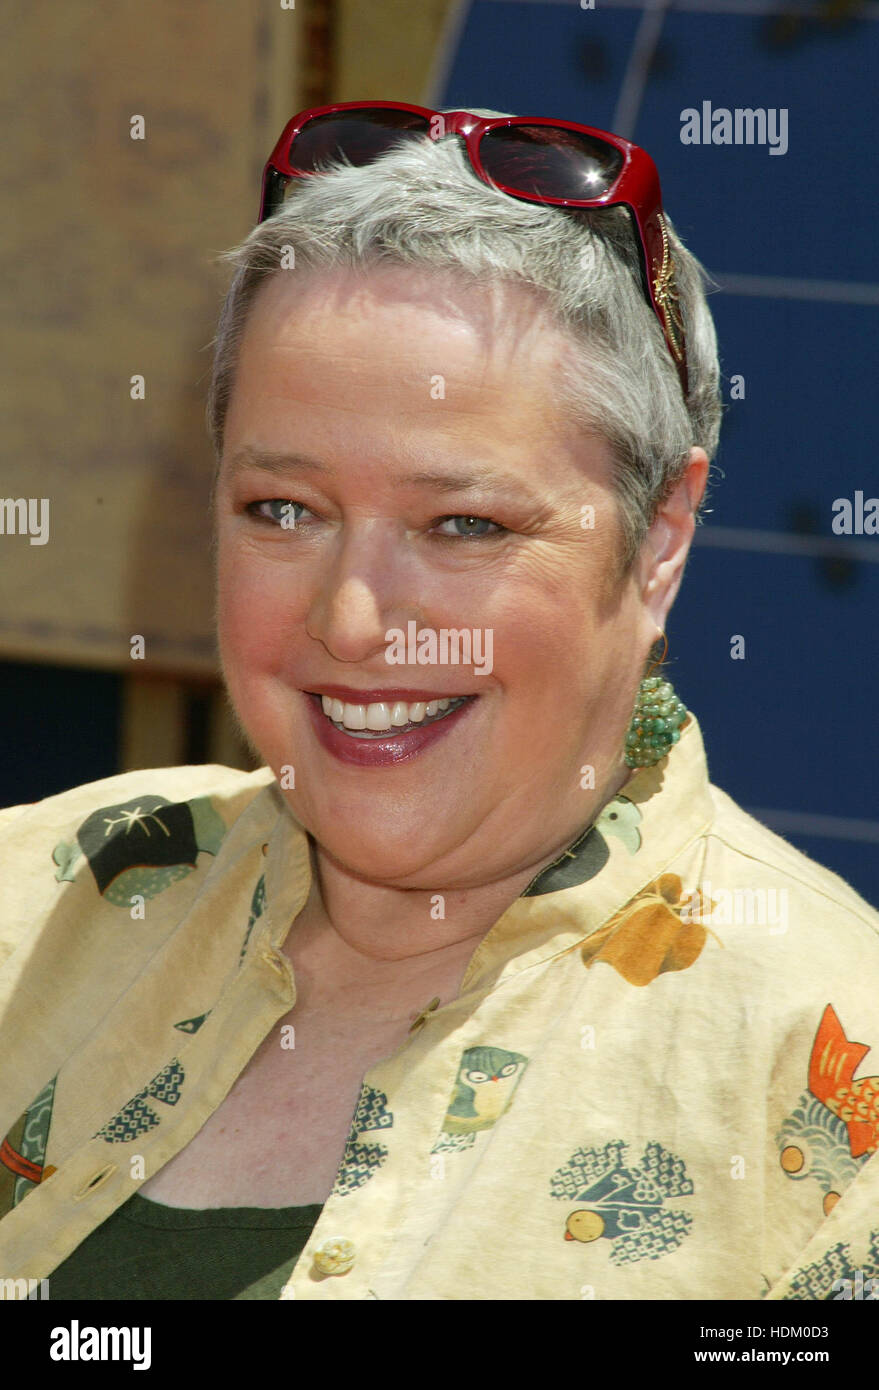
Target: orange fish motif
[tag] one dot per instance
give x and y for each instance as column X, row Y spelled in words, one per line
column 831, row 1080
column 649, row 935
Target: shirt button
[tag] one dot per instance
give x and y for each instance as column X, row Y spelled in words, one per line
column 335, row 1256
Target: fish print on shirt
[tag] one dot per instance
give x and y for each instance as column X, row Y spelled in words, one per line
column 835, row 1126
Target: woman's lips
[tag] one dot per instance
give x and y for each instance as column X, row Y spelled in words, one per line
column 381, row 749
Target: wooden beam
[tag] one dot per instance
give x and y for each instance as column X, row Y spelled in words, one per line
column 387, row 50
column 153, row 723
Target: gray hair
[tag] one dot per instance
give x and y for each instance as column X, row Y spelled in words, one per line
column 420, row 204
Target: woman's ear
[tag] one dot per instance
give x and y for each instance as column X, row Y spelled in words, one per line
column 667, row 543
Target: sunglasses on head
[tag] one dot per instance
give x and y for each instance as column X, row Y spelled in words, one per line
column 540, row 161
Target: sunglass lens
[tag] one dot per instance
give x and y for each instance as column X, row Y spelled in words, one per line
column 549, row 161
column 353, row 137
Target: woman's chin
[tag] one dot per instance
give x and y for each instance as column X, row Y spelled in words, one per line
column 390, row 859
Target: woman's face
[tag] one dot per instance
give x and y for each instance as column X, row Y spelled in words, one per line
column 395, row 407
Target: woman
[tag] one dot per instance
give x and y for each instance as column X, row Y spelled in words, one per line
column 477, row 988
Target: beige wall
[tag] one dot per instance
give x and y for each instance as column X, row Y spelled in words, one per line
column 108, row 241
column 108, row 245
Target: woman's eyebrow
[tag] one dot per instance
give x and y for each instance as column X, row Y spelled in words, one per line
column 269, row 461
column 486, row 479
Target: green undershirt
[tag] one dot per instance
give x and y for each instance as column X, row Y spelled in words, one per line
column 146, row 1250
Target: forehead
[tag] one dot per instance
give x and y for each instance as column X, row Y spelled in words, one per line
column 424, row 348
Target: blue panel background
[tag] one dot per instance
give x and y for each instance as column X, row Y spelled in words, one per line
column 803, row 434
column 792, row 728
column 535, row 60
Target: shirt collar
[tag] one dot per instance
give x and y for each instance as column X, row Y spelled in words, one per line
column 654, row 816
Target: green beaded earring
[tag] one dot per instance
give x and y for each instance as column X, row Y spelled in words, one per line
column 656, row 723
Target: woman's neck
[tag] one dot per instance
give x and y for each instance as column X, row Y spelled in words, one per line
column 359, row 935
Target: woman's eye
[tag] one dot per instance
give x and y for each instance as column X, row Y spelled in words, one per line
column 287, row 515
column 470, row 526
column 281, row 510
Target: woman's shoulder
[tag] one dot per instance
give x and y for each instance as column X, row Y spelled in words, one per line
column 228, row 786
column 753, row 854
column 109, row 847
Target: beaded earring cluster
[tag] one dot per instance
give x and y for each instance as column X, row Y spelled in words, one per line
column 656, row 722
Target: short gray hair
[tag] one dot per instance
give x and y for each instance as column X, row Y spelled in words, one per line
column 420, row 204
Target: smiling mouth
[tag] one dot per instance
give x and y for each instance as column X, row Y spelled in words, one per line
column 389, row 719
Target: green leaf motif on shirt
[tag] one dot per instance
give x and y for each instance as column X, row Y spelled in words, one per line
column 141, row 846
column 137, row 1117
column 191, row 1025
column 361, row 1161
column 257, row 908
column 625, row 1203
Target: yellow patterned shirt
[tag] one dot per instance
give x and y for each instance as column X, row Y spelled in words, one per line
column 659, row 1079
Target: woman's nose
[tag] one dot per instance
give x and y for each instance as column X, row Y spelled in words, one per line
column 356, row 599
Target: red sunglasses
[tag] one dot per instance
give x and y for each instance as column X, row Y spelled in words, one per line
column 539, row 161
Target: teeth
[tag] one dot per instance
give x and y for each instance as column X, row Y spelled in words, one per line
column 377, row 716
column 383, row 715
